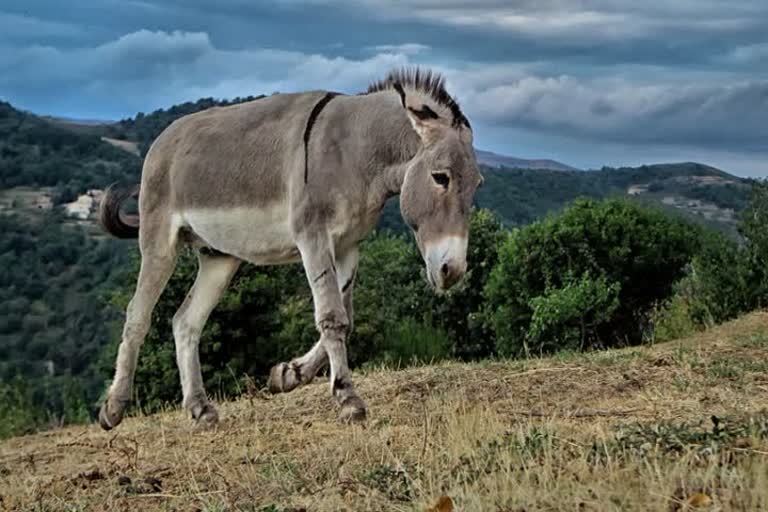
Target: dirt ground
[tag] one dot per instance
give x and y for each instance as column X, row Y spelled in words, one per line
column 675, row 426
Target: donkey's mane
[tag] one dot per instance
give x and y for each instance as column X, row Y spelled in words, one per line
column 425, row 81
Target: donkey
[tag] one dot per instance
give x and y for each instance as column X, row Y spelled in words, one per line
column 289, row 178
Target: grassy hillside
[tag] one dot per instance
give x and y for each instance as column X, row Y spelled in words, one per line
column 664, row 427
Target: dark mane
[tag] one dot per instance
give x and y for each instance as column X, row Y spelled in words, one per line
column 426, row 81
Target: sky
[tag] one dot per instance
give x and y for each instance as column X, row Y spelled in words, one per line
column 586, row 82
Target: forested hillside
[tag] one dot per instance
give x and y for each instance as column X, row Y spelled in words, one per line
column 37, row 153
column 58, row 276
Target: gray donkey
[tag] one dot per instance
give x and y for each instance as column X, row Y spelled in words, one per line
column 288, row 178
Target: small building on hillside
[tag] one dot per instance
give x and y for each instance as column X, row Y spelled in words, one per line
column 43, row 202
column 85, row 204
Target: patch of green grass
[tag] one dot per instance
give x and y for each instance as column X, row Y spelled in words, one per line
column 681, row 382
column 567, row 356
column 734, row 369
column 671, row 438
column 725, row 369
column 395, row 483
column 512, row 451
column 612, row 358
column 758, row 340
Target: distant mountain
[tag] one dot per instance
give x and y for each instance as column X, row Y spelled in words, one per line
column 495, row 160
column 76, row 121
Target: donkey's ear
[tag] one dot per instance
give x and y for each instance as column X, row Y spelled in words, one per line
column 424, row 120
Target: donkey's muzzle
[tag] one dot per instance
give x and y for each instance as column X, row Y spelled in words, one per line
column 446, row 261
column 450, row 274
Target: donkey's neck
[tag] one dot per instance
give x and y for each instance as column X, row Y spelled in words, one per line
column 391, row 143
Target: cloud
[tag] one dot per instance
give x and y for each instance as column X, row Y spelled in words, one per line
column 152, row 69
column 654, row 73
column 146, row 69
column 580, row 23
column 719, row 115
column 749, row 54
column 21, row 28
column 405, row 49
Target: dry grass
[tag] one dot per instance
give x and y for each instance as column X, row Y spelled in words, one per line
column 617, row 430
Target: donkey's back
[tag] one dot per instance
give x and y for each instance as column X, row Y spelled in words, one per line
column 222, row 178
column 236, row 155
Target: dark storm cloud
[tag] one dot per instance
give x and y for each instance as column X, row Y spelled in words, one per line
column 690, row 72
column 726, row 116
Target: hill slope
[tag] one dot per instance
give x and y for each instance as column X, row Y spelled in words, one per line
column 495, row 160
column 653, row 428
column 36, row 152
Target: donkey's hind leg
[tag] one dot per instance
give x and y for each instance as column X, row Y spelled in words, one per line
column 286, row 377
column 156, row 268
column 213, row 276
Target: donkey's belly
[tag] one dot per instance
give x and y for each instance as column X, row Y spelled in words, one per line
column 257, row 235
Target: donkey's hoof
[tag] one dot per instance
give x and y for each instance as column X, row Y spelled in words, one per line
column 110, row 416
column 352, row 411
column 207, row 418
column 284, row 377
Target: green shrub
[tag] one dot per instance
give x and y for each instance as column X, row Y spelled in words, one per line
column 718, row 286
column 414, row 343
column 591, row 274
column 754, row 229
column 673, row 319
column 566, row 317
column 18, row 413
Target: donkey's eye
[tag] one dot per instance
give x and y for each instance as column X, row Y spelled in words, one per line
column 441, row 179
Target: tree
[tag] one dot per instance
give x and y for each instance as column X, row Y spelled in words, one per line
column 589, row 276
column 754, row 229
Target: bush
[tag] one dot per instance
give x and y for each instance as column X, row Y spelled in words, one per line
column 459, row 311
column 18, row 413
column 590, row 275
column 727, row 278
column 718, row 286
column 754, row 229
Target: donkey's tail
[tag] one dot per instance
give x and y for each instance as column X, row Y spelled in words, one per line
column 112, row 220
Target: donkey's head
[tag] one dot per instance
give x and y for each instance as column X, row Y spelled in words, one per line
column 440, row 181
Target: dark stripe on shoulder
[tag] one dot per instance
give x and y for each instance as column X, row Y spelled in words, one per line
column 310, row 123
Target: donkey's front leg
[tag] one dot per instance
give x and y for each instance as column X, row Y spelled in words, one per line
column 285, row 377
column 333, row 322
